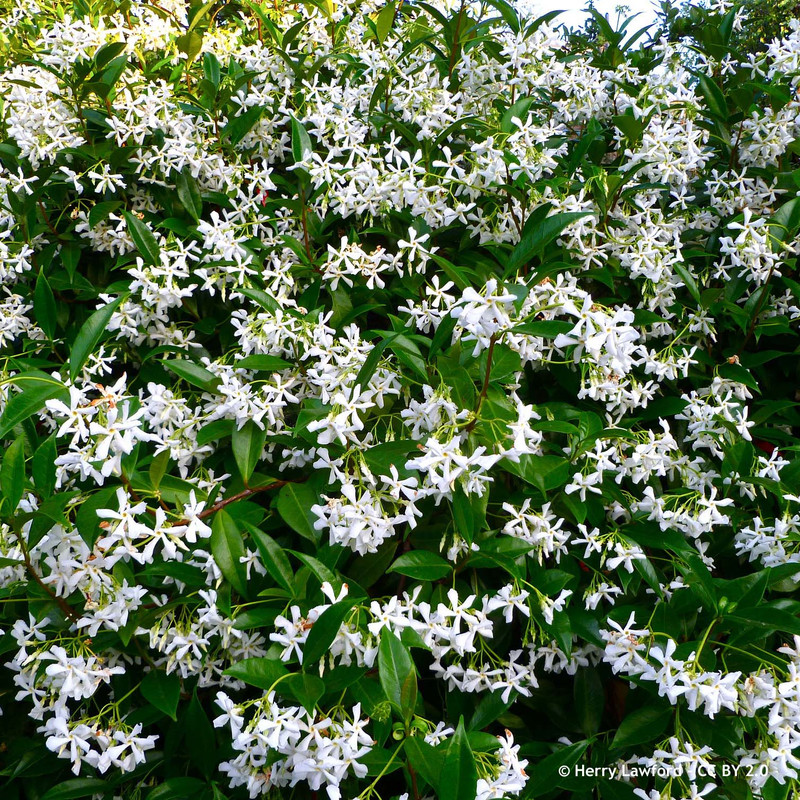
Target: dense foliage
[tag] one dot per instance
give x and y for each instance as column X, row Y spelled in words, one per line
column 761, row 22
column 398, row 400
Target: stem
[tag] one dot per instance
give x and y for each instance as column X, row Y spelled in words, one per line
column 240, row 496
column 455, row 41
column 485, row 388
column 735, row 145
column 47, row 219
column 704, row 640
column 776, row 662
column 413, row 774
column 369, row 788
column 277, row 681
column 304, row 220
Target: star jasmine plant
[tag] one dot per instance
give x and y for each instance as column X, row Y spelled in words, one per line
column 398, row 401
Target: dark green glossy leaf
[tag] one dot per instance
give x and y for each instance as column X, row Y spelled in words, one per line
column 397, row 674
column 259, row 672
column 75, row 788
column 227, row 548
column 642, row 726
column 248, row 445
column 272, row 556
column 143, row 238
column 294, row 506
column 325, row 630
column 422, row 565
column 12, row 474
column 162, row 691
column 89, row 335
column 37, row 388
column 193, row 373
column 459, row 776
column 44, row 304
column 188, row 193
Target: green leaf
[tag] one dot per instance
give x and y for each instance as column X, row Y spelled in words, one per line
column 715, row 99
column 89, row 335
column 507, row 11
column 162, row 691
column 76, row 788
column 385, row 20
column 630, row 126
column 227, row 548
column 321, row 572
column 258, row 672
column 459, row 777
column 248, row 445
column 546, row 472
column 107, row 53
column 238, row 127
column 201, row 741
column 545, row 774
column 371, row 362
column 325, row 630
column 158, row 467
column 645, row 568
column 699, row 579
column 44, row 304
column 43, row 466
column 380, row 761
column 12, row 474
column 307, row 689
column 615, row 790
column 200, row 13
column 642, row 726
column 540, row 231
column 263, row 299
column 100, row 211
column 422, row 565
column 214, row 431
column 408, row 354
column 488, row 709
column 111, row 74
column 589, row 700
column 193, row 373
column 191, row 576
column 178, row 789
column 211, row 69
column 273, row 557
column 188, row 193
column 294, row 506
column 261, row 363
column 561, row 631
column 190, row 44
column 768, row 618
column 143, row 238
column 37, row 389
column 546, row 328
column 369, row 569
column 383, row 456
column 86, row 520
column 397, row 674
column 301, row 141
column 785, row 222
column 425, row 759
column 688, row 280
